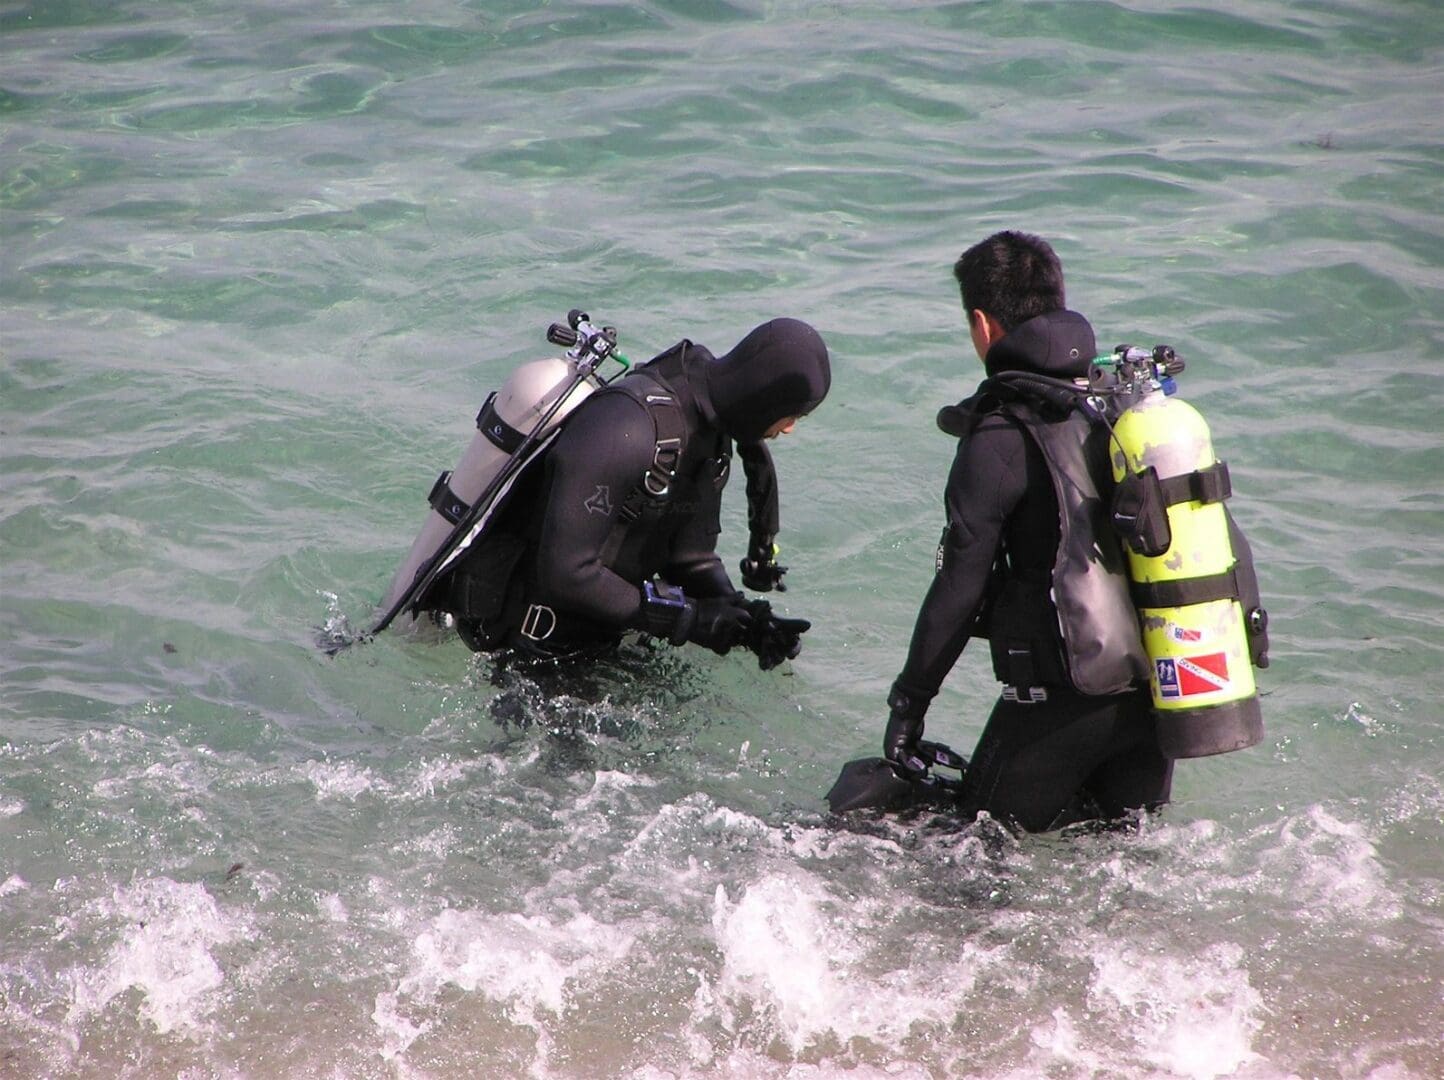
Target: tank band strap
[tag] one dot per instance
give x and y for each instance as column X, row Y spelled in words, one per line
column 1208, row 485
column 1187, row 591
column 502, row 435
column 445, row 501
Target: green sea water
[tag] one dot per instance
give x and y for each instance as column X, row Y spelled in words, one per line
column 261, row 262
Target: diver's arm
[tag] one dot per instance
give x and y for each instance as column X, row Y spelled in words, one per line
column 987, row 481
column 701, row 577
column 693, row 564
column 596, row 461
column 763, row 514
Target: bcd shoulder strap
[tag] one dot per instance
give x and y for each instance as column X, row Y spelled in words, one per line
column 656, row 483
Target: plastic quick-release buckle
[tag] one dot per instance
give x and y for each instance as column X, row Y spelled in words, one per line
column 538, row 615
column 1025, row 695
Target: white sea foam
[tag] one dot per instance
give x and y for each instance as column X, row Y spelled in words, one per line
column 334, row 908
column 342, row 780
column 607, row 783
column 437, row 843
column 350, row 781
column 397, row 1030
column 1321, row 865
column 594, row 813
column 747, row 1064
column 1191, row 1016
column 13, row 884
column 168, row 933
column 528, row 963
column 433, row 776
column 809, row 962
column 659, row 838
column 1331, row 869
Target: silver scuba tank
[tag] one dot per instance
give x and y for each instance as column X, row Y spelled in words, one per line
column 508, row 416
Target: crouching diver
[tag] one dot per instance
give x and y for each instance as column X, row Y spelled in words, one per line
column 616, row 529
column 1032, row 560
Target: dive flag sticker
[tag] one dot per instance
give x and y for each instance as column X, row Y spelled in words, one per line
column 1188, row 676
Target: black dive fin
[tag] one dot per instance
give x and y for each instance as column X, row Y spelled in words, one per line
column 869, row 783
column 873, row 783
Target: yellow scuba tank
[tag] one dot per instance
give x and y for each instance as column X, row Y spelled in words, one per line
column 1168, row 506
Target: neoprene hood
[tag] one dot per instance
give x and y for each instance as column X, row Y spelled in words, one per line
column 778, row 370
column 1059, row 343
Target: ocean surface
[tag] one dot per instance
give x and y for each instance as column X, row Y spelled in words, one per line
column 262, row 260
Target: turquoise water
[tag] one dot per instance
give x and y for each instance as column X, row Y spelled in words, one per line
column 261, row 262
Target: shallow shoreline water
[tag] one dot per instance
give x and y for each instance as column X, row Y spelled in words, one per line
column 261, row 263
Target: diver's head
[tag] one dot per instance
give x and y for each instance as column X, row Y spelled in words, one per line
column 1010, row 277
column 777, row 372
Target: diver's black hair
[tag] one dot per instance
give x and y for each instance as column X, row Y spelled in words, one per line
column 1013, row 276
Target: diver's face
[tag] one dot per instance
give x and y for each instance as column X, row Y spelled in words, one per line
column 782, row 427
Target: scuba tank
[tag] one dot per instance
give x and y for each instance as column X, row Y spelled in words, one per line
column 1187, row 580
column 513, row 424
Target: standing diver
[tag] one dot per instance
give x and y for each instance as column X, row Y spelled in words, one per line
column 616, row 528
column 1031, row 560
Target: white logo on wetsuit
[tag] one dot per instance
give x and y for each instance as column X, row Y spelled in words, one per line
column 600, row 502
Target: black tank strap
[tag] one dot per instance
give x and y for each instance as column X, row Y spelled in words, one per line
column 1208, row 485
column 445, row 501
column 489, row 422
column 1187, row 591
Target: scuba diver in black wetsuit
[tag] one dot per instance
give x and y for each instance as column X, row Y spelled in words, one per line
column 617, row 528
column 1074, row 735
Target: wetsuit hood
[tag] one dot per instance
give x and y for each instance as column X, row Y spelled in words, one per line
column 778, row 370
column 1059, row 343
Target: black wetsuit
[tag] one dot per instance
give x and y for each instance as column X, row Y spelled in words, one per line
column 590, row 540
column 1040, row 763
column 601, row 456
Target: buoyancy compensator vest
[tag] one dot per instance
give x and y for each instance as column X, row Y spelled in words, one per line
column 1096, row 619
column 488, row 593
column 1094, row 641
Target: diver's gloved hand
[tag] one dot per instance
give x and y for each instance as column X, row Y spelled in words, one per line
column 720, row 622
column 773, row 638
column 760, row 571
column 904, row 729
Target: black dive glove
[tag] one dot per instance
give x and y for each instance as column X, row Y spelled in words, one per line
column 760, row 571
column 717, row 623
column 904, row 729
column 720, row 623
column 773, row 638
